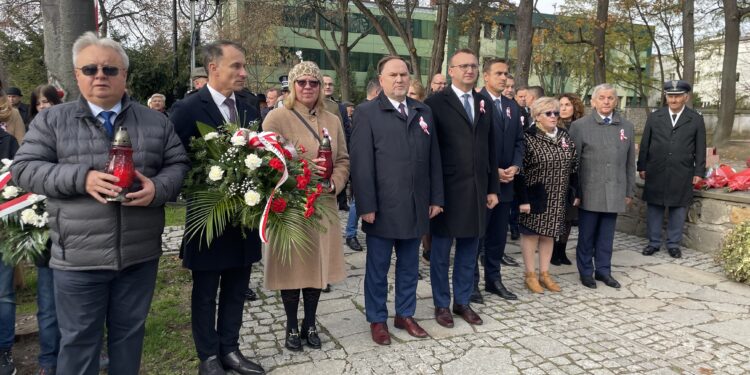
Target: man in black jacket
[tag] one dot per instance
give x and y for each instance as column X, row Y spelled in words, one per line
column 227, row 261
column 672, row 158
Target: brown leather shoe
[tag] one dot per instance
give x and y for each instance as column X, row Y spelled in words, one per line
column 444, row 317
column 410, row 325
column 380, row 333
column 467, row 313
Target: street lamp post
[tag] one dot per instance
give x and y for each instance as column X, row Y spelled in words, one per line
column 199, row 11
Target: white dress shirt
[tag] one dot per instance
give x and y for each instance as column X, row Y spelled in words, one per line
column 219, row 99
column 461, row 98
column 396, row 104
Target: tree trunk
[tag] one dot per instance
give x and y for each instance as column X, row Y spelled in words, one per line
column 525, row 33
column 600, row 29
column 64, row 22
column 727, row 101
column 439, row 34
column 688, row 42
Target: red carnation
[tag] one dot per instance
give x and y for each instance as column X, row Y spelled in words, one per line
column 276, row 164
column 309, row 211
column 278, row 205
column 286, row 153
column 302, row 149
column 302, row 182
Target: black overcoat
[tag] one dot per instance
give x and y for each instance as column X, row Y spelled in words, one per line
column 467, row 152
column 671, row 156
column 229, row 250
column 396, row 170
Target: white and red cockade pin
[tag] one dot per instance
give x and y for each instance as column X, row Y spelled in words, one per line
column 507, row 112
column 423, row 125
column 481, row 106
column 563, row 143
column 523, row 121
column 622, row 135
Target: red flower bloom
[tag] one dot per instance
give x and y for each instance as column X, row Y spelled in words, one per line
column 276, row 164
column 278, row 205
column 286, row 153
column 302, row 150
column 302, row 182
column 309, row 211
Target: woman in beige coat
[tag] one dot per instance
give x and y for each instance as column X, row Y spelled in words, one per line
column 10, row 119
column 323, row 263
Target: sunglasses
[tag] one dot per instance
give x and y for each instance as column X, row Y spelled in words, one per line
column 552, row 113
column 90, row 70
column 305, row 83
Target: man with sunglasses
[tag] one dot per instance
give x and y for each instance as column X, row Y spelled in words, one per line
column 229, row 258
column 463, row 125
column 105, row 254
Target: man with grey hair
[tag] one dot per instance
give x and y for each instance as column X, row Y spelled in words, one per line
column 606, row 150
column 157, row 102
column 105, row 253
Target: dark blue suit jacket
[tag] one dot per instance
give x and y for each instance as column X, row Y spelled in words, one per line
column 509, row 145
column 230, row 250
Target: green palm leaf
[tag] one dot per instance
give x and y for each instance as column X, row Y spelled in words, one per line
column 210, row 212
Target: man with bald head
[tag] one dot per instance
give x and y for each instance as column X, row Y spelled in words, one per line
column 437, row 83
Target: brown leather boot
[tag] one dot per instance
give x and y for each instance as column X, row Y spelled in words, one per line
column 546, row 281
column 532, row 283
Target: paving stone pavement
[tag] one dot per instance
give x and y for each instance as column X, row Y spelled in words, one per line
column 672, row 316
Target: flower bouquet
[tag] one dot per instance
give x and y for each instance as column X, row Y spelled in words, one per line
column 252, row 180
column 23, row 221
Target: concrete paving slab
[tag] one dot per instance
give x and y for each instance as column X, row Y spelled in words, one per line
column 644, row 304
column 481, row 361
column 733, row 330
column 324, row 367
column 544, row 346
column 686, row 274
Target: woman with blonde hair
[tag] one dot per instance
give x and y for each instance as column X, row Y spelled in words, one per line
column 10, row 120
column 302, row 121
column 416, row 90
column 549, row 169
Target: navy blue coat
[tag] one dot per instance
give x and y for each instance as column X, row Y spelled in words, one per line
column 467, row 152
column 229, row 250
column 509, row 144
column 396, row 169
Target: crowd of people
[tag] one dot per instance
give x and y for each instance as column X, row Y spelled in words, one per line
column 453, row 168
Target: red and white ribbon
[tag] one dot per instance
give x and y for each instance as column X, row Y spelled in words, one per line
column 18, row 203
column 269, row 141
column 622, row 135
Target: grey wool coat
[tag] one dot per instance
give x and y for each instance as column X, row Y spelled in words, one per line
column 606, row 167
column 671, row 156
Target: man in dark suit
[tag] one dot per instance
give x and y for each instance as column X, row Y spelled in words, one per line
column 672, row 158
column 509, row 148
column 463, row 124
column 398, row 182
column 226, row 262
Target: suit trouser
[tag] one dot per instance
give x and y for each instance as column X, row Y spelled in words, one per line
column 218, row 334
column 379, row 250
column 85, row 300
column 493, row 244
column 463, row 269
column 596, row 234
column 676, row 220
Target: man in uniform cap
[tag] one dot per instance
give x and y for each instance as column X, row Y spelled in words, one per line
column 14, row 96
column 671, row 160
column 284, row 80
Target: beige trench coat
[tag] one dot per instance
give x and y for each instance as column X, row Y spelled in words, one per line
column 324, row 262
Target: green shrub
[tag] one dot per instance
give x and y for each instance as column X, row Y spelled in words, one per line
column 735, row 253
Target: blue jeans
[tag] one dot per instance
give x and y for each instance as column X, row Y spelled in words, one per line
column 46, row 316
column 351, row 223
column 7, row 307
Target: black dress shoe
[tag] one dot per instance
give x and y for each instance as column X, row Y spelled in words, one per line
column 293, row 341
column 426, row 254
column 476, row 296
column 514, row 234
column 310, row 335
column 588, row 282
column 608, row 280
column 508, row 261
column 555, row 261
column 497, row 287
column 211, row 366
column 649, row 250
column 241, row 365
column 250, row 295
column 675, row 252
column 564, row 259
column 327, row 289
column 353, row 243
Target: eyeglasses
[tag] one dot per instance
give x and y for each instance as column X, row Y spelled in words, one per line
column 91, row 70
column 466, row 67
column 552, row 113
column 305, row 83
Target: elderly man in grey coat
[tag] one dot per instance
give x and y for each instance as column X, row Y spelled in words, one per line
column 105, row 255
column 606, row 148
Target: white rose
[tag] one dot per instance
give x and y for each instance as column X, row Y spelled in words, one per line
column 6, row 163
column 238, row 140
column 215, row 173
column 252, row 198
column 10, row 192
column 41, row 220
column 252, row 161
column 28, row 216
column 210, row 136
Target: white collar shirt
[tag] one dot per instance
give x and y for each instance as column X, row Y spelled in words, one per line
column 97, row 111
column 674, row 117
column 219, row 99
column 461, row 94
column 396, row 104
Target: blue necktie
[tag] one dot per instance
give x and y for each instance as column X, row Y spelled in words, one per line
column 499, row 107
column 607, row 120
column 467, row 107
column 107, row 115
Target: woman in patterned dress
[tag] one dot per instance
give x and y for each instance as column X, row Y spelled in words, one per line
column 549, row 168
